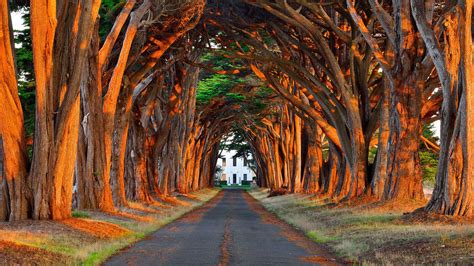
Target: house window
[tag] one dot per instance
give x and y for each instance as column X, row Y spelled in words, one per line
column 223, row 162
column 234, row 163
column 245, row 177
column 234, row 177
column 245, row 162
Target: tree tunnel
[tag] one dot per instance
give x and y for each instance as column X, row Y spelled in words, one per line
column 132, row 99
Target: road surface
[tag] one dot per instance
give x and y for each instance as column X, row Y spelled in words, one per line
column 231, row 229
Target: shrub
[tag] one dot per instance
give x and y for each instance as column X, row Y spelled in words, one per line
column 245, row 183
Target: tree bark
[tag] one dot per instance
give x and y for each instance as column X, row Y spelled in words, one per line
column 57, row 100
column 13, row 160
column 313, row 160
column 454, row 188
column 404, row 176
column 93, row 188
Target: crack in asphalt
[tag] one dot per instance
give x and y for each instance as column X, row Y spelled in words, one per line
column 225, row 251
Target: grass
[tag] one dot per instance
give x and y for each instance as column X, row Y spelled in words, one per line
column 373, row 235
column 73, row 241
column 80, row 214
column 233, row 186
column 319, row 238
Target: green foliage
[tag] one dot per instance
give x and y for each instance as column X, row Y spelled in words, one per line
column 372, row 154
column 24, row 49
column 25, row 69
column 216, row 85
column 108, row 11
column 246, row 183
column 428, row 158
column 429, row 164
column 16, row 5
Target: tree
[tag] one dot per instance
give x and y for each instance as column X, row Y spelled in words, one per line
column 454, row 188
column 13, row 205
column 57, row 100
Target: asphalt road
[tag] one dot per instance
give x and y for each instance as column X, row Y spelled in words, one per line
column 232, row 229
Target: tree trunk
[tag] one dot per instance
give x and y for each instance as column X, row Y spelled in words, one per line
column 93, row 188
column 13, row 160
column 379, row 179
column 313, row 160
column 404, row 176
column 454, row 188
column 57, row 100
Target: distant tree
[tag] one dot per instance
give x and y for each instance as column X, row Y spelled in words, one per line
column 26, row 81
column 428, row 157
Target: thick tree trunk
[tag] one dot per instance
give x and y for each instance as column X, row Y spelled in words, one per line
column 110, row 101
column 92, row 175
column 119, row 152
column 379, row 179
column 136, row 165
column 406, row 71
column 13, row 160
column 313, row 160
column 454, row 189
column 404, row 176
column 57, row 100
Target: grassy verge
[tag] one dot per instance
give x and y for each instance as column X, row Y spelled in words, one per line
column 374, row 235
column 91, row 237
column 244, row 187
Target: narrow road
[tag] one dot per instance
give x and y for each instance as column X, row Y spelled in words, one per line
column 232, row 229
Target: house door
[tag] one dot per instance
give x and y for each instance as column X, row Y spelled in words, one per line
column 235, row 178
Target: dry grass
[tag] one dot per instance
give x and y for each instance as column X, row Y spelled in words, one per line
column 93, row 237
column 373, row 234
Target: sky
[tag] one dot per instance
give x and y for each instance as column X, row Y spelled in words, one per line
column 17, row 21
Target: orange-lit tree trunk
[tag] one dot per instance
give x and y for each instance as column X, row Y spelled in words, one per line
column 313, row 159
column 454, row 189
column 115, row 118
column 59, row 55
column 92, row 170
column 13, row 160
column 135, row 76
column 404, row 176
column 136, row 163
column 140, row 173
column 402, row 62
column 379, row 178
column 93, row 190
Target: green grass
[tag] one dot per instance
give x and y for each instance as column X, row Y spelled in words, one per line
column 105, row 251
column 80, row 214
column 233, row 186
column 320, row 238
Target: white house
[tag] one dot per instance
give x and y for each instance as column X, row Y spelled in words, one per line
column 234, row 170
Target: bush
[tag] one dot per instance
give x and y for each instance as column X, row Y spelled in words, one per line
column 246, row 183
column 223, row 183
